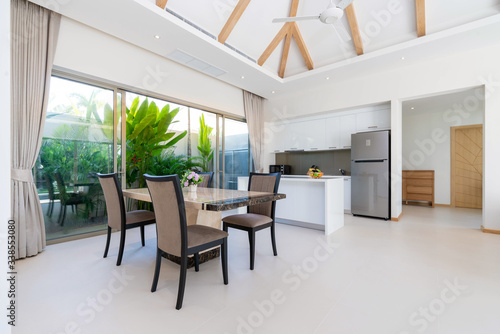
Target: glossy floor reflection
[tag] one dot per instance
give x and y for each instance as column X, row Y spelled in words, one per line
column 432, row 272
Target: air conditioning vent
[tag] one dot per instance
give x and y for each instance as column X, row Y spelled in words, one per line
column 195, row 63
column 209, row 34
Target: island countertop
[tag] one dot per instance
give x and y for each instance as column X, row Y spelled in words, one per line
column 307, row 178
column 313, row 203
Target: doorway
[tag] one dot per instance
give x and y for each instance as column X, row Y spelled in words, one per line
column 467, row 166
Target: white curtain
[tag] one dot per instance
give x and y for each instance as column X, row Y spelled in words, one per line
column 34, row 32
column 254, row 113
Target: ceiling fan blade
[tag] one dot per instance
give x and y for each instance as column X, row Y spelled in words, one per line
column 341, row 31
column 344, row 3
column 295, row 18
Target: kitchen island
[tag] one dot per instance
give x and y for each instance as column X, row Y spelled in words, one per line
column 311, row 203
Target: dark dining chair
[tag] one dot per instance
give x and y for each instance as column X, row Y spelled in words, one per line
column 118, row 218
column 258, row 216
column 49, row 182
column 174, row 236
column 207, row 180
column 67, row 198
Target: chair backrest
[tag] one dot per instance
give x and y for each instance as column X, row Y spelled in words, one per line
column 168, row 203
column 207, row 180
column 61, row 187
column 50, row 186
column 268, row 183
column 115, row 205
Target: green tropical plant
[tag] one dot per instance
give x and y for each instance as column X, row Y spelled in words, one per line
column 147, row 136
column 168, row 163
column 205, row 144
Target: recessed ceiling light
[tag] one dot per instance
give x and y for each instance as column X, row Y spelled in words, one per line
column 402, row 58
column 412, row 108
column 243, row 77
column 273, row 92
column 157, row 36
column 327, row 78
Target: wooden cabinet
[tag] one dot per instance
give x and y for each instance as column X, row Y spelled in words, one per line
column 418, row 185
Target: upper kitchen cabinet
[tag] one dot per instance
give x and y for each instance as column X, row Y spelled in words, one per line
column 292, row 136
column 347, row 127
column 333, row 133
column 312, row 135
column 373, row 120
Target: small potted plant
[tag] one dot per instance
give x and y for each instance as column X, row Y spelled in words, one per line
column 190, row 180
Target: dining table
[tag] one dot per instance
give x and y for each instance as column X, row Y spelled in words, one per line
column 205, row 205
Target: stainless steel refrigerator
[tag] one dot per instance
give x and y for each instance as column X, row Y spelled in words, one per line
column 370, row 174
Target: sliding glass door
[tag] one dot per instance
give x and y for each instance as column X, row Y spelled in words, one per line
column 92, row 128
column 80, row 139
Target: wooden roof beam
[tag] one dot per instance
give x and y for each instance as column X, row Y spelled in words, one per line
column 353, row 24
column 284, row 56
column 288, row 40
column 274, row 43
column 161, row 3
column 420, row 9
column 233, row 19
column 302, row 46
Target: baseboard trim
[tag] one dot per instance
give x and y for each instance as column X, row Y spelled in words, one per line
column 489, row 230
column 443, row 205
column 300, row 224
column 396, row 219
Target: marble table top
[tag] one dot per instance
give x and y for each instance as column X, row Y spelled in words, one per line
column 212, row 199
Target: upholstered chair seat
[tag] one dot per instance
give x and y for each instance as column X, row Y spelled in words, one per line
column 138, row 216
column 173, row 234
column 258, row 216
column 118, row 218
column 251, row 220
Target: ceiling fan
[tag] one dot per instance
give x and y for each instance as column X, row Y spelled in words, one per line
column 331, row 15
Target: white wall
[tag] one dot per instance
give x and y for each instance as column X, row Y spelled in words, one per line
column 5, row 200
column 426, row 139
column 458, row 71
column 88, row 51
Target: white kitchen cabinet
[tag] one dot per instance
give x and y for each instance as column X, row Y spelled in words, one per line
column 347, row 195
column 312, row 135
column 291, row 136
column 373, row 120
column 333, row 133
column 347, row 127
column 278, row 141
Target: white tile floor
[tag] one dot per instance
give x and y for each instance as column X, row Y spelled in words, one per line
column 375, row 277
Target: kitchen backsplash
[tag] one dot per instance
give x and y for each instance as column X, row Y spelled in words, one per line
column 328, row 161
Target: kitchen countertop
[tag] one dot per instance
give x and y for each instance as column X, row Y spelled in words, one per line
column 307, row 177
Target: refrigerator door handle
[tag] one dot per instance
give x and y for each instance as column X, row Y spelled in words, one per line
column 361, row 161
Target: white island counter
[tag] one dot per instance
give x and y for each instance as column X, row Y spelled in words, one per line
column 312, row 203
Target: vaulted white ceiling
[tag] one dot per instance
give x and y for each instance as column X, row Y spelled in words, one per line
column 452, row 26
column 382, row 23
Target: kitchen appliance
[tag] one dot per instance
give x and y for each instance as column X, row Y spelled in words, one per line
column 283, row 169
column 371, row 174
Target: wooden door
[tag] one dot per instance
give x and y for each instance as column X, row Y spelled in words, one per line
column 467, row 166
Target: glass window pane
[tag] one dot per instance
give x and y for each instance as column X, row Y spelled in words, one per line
column 146, row 151
column 208, row 140
column 237, row 152
column 77, row 143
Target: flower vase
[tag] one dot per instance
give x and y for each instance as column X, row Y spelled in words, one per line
column 192, row 188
